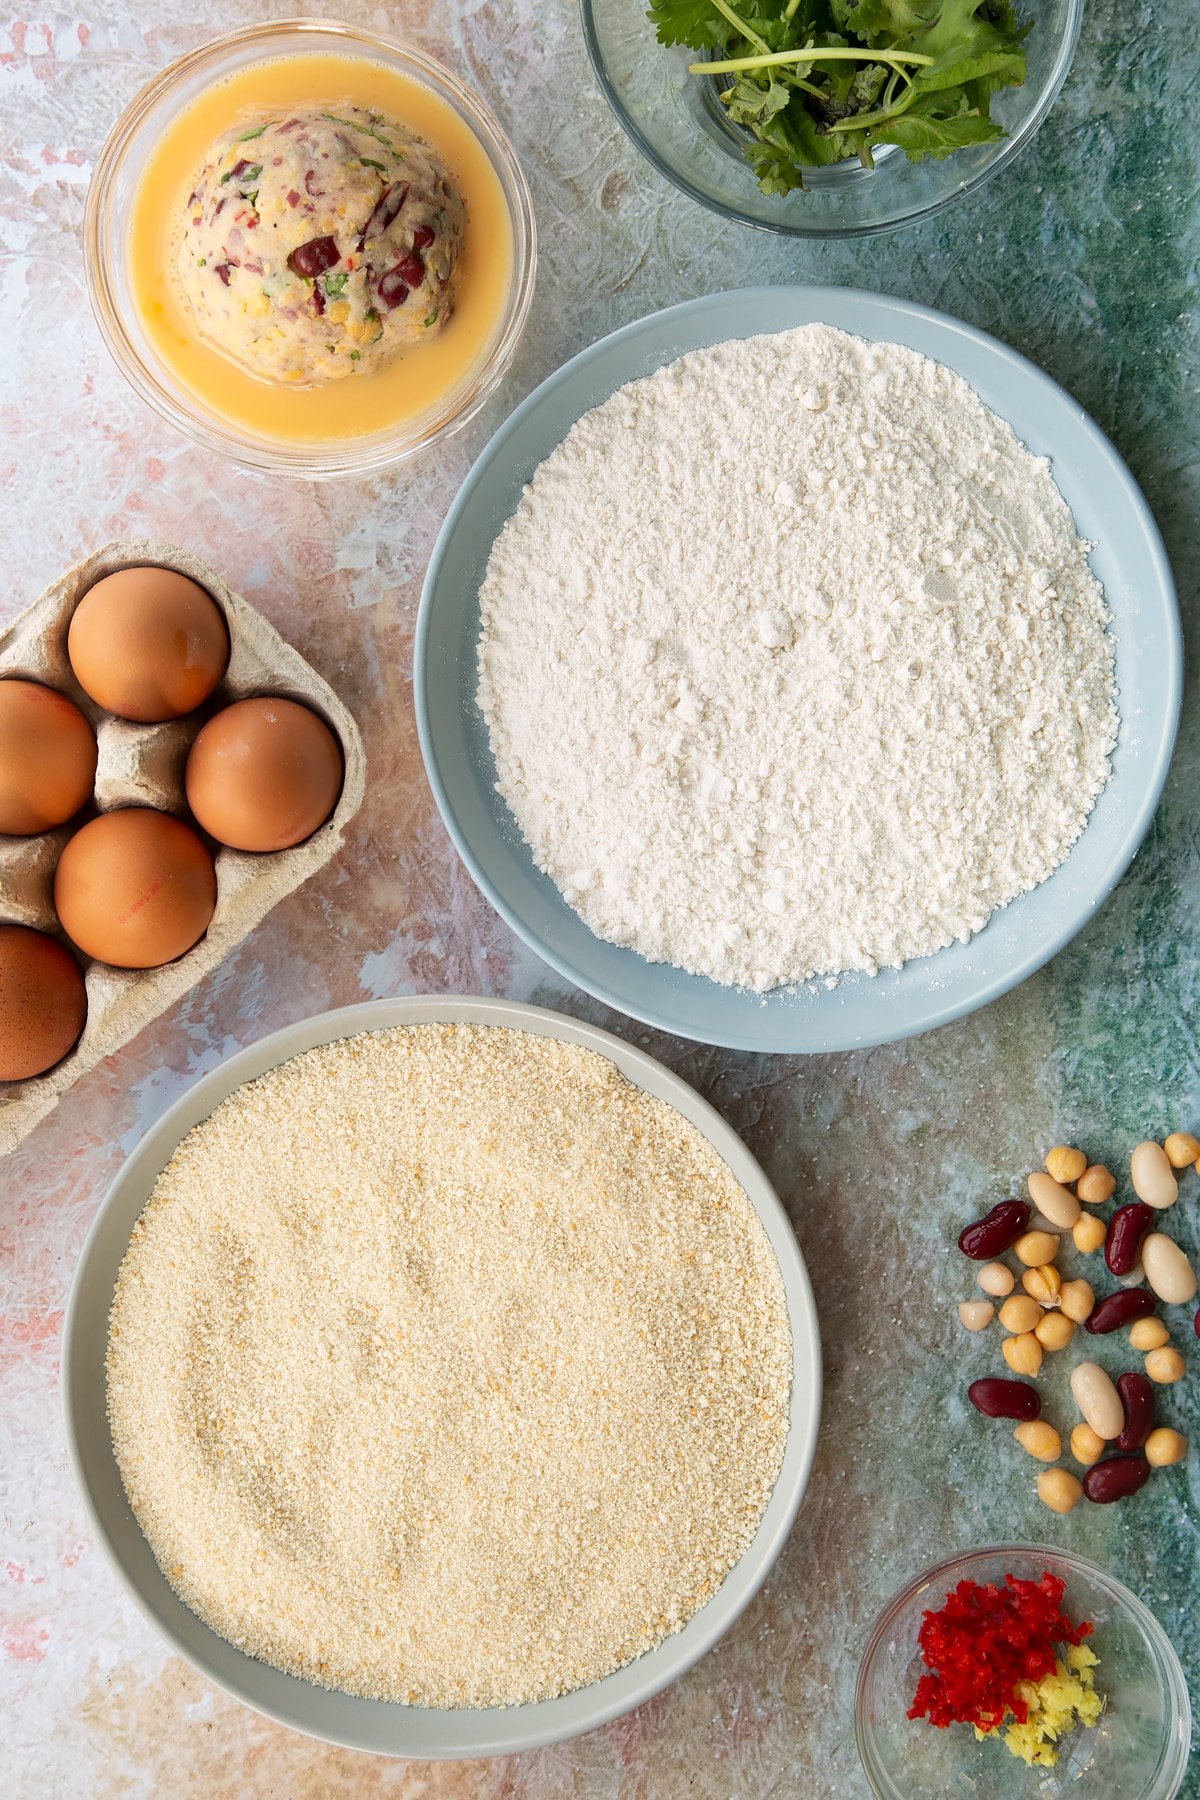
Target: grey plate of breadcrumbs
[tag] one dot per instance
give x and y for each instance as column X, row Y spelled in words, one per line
column 449, row 1368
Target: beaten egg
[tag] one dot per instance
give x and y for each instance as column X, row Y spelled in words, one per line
column 43, row 1002
column 135, row 888
column 148, row 644
column 263, row 774
column 47, row 758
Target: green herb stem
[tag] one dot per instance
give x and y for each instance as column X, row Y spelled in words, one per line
column 883, row 115
column 739, row 24
column 737, row 65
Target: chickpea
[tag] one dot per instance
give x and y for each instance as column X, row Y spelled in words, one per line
column 1087, row 1446
column 1064, row 1164
column 1164, row 1447
column 1040, row 1439
column 1019, row 1314
column 976, row 1315
column 997, row 1279
column 1037, row 1247
column 1164, row 1365
column 1023, row 1353
column 1089, row 1233
column 1059, row 1490
column 1077, row 1300
column 1055, row 1331
column 1148, row 1334
column 1182, row 1148
column 1043, row 1284
column 1096, row 1185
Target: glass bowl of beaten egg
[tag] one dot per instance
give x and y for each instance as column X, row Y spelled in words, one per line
column 146, row 178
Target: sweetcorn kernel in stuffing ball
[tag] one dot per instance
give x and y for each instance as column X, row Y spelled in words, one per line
column 317, row 245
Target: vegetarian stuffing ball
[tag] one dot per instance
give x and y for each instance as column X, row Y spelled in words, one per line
column 317, row 245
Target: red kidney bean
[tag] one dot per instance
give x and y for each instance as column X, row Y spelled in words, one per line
column 1126, row 1229
column 423, row 236
column 1137, row 1397
column 312, row 259
column 392, row 290
column 384, row 215
column 1120, row 1309
column 1000, row 1399
column 411, row 269
column 1196, row 1322
column 989, row 1236
column 1115, row 1478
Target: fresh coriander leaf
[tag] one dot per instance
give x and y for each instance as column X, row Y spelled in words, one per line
column 877, row 21
column 369, row 163
column 431, row 318
column 334, row 285
column 868, row 84
column 747, row 103
column 777, row 173
column 922, row 134
column 696, row 23
column 354, row 355
column 257, row 132
column 960, row 30
column 797, row 132
column 253, row 199
column 1001, row 67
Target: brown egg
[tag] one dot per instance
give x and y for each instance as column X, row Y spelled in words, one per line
column 43, row 1002
column 263, row 774
column 135, row 888
column 47, row 758
column 148, row 644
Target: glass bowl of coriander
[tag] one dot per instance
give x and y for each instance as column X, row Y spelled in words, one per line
column 830, row 118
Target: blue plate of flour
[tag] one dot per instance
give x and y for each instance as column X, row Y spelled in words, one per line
column 1128, row 560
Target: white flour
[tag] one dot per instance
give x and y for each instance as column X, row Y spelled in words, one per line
column 793, row 663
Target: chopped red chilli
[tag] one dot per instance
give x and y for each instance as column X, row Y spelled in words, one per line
column 985, row 1640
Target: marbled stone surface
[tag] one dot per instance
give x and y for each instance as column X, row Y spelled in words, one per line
column 1082, row 255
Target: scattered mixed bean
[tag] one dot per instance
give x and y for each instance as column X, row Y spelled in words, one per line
column 1118, row 1444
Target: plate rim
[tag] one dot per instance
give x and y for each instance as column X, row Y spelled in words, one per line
column 821, row 301
column 157, row 1143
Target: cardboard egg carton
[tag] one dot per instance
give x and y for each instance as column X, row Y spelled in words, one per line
column 142, row 765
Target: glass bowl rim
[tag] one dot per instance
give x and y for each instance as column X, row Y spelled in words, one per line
column 1009, row 148
column 340, row 456
column 1174, row 1684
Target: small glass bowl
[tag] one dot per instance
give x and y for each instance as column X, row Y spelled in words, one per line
column 679, row 125
column 119, row 171
column 1138, row 1750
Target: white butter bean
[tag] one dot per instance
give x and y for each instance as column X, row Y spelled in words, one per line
column 996, row 1278
column 1168, row 1270
column 1098, row 1400
column 1152, row 1176
column 1053, row 1201
column 976, row 1315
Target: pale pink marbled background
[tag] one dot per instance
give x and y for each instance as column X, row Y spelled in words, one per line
column 879, row 1156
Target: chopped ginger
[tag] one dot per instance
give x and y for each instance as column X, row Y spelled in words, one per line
column 1056, row 1703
